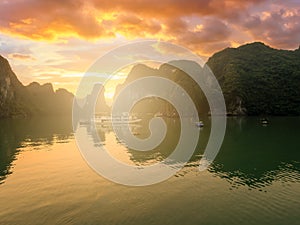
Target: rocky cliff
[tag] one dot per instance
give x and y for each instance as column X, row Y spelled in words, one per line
column 170, row 71
column 258, row 80
column 35, row 99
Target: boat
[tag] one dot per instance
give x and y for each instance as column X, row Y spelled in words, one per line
column 264, row 121
column 116, row 120
column 199, row 124
column 125, row 120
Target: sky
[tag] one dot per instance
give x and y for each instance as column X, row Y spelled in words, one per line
column 57, row 40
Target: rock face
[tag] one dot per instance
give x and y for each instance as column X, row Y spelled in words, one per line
column 258, row 80
column 34, row 99
column 12, row 92
column 45, row 101
column 170, row 71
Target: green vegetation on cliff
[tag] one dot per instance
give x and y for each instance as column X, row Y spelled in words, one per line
column 259, row 80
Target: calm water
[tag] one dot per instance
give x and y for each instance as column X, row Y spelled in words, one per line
column 255, row 178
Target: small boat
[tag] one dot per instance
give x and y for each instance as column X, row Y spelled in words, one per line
column 125, row 120
column 264, row 121
column 199, row 124
column 117, row 120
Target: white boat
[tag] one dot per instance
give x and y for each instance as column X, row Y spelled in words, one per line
column 264, row 121
column 116, row 120
column 199, row 124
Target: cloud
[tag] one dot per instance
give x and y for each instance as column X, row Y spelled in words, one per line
column 102, row 19
column 170, row 20
column 212, row 30
column 207, row 36
column 280, row 28
column 8, row 45
column 176, row 8
column 49, row 19
column 20, row 56
column 131, row 26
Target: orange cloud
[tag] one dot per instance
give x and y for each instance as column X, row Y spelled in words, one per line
column 176, row 8
column 170, row 20
column 50, row 19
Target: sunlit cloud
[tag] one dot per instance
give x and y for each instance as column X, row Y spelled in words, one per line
column 20, row 56
column 166, row 20
column 96, row 75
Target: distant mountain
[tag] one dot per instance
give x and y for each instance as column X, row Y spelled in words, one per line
column 170, row 71
column 255, row 80
column 35, row 99
column 259, row 80
column 17, row 100
column 90, row 104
